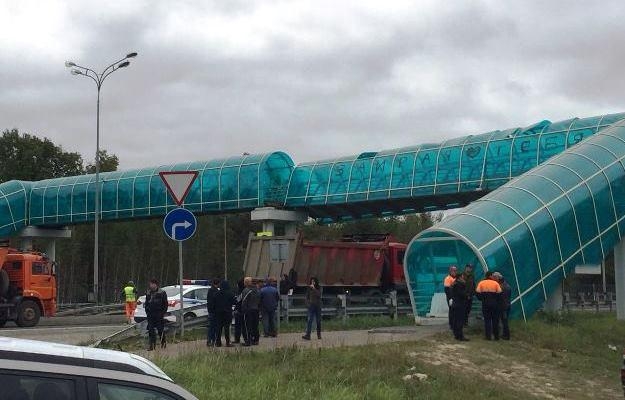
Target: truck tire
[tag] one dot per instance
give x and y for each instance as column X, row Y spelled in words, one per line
column 28, row 314
column 4, row 283
column 3, row 322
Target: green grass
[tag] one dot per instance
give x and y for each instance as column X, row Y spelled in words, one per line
column 566, row 354
column 367, row 372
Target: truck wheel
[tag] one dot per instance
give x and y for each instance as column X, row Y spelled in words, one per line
column 28, row 314
column 4, row 283
column 189, row 316
column 3, row 322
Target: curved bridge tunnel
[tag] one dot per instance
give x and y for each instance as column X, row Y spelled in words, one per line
column 531, row 215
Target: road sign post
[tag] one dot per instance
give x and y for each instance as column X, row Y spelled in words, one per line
column 179, row 224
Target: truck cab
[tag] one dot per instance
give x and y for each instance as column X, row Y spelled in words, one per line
column 27, row 287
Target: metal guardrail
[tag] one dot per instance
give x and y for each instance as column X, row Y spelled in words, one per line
column 341, row 306
column 88, row 309
column 141, row 327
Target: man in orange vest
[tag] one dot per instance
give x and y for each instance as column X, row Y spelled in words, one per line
column 489, row 292
column 447, row 282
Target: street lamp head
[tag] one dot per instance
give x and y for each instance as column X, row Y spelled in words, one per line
column 70, row 64
column 131, row 55
column 76, row 72
column 124, row 64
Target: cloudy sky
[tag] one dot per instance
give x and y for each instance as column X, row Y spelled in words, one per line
column 316, row 79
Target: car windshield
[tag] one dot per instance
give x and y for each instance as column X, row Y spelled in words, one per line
column 172, row 291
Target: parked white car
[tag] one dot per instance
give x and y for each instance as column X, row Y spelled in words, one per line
column 33, row 370
column 194, row 295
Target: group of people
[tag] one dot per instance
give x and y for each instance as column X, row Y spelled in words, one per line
column 254, row 300
column 494, row 293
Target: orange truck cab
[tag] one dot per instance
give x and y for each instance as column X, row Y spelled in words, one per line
column 27, row 287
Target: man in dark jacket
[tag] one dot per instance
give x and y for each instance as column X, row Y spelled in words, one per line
column 458, row 307
column 447, row 282
column 238, row 314
column 469, row 280
column 211, row 337
column 313, row 304
column 249, row 307
column 224, row 299
column 269, row 300
column 504, row 312
column 489, row 292
column 155, row 308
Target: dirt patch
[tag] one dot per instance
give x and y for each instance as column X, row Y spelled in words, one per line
column 536, row 379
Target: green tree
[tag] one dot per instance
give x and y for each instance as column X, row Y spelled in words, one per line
column 27, row 157
column 108, row 163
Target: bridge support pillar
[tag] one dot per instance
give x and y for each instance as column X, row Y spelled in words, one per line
column 619, row 279
column 554, row 299
column 50, row 235
column 270, row 215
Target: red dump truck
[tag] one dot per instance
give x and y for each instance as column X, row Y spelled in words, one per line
column 365, row 264
column 27, row 287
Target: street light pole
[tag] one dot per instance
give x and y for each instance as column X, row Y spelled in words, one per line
column 98, row 79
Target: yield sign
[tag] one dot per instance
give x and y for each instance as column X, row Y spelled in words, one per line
column 178, row 183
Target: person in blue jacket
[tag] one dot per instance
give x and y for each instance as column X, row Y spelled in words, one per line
column 269, row 300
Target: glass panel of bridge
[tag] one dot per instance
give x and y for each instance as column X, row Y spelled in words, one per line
column 380, row 177
column 359, row 179
column 448, row 170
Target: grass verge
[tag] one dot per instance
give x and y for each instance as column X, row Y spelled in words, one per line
column 554, row 356
column 367, row 372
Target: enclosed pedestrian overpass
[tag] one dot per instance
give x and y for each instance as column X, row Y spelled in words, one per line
column 539, row 199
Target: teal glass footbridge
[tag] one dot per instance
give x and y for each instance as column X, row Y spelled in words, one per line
column 537, row 200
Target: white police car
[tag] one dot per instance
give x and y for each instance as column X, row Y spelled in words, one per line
column 194, row 296
column 33, row 370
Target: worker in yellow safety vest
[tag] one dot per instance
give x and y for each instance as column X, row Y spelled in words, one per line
column 447, row 283
column 130, row 297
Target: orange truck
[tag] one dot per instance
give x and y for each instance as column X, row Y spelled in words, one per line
column 27, row 287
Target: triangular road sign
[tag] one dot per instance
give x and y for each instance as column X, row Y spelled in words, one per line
column 178, row 183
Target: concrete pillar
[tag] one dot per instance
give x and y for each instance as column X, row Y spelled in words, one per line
column 269, row 226
column 554, row 299
column 619, row 279
column 290, row 229
column 51, row 249
column 270, row 215
column 26, row 244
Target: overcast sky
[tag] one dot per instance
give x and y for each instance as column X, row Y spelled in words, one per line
column 316, row 79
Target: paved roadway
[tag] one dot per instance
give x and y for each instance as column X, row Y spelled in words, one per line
column 68, row 330
column 82, row 335
column 329, row 339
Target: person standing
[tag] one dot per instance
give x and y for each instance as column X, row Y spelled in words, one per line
column 313, row 303
column 249, row 307
column 237, row 313
column 155, row 308
column 224, row 300
column 489, row 292
column 211, row 336
column 447, row 282
column 269, row 301
column 130, row 300
column 504, row 312
column 469, row 280
column 458, row 307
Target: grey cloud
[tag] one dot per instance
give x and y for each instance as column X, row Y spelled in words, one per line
column 180, row 100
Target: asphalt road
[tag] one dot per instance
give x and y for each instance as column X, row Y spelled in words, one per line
column 81, row 334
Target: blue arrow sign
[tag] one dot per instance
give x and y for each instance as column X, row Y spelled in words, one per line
column 179, row 224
